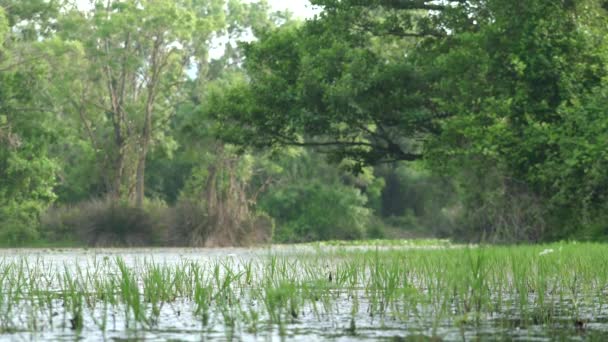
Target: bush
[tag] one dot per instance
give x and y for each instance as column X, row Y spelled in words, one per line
column 105, row 223
column 580, row 223
column 316, row 211
column 377, row 229
column 14, row 232
column 19, row 223
column 497, row 209
column 188, row 224
column 57, row 223
column 415, row 201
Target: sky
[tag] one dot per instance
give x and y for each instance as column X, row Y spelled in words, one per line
column 300, row 8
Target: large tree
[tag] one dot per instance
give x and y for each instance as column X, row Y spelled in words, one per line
column 372, row 79
column 465, row 84
column 343, row 82
column 27, row 173
column 140, row 61
column 511, row 86
column 137, row 57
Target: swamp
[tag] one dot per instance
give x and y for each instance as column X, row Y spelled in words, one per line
column 308, row 170
column 402, row 291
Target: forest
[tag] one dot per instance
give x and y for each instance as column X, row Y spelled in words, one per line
column 210, row 123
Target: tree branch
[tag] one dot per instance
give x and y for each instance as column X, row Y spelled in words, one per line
column 407, row 4
column 391, row 149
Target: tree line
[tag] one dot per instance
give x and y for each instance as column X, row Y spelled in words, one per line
column 477, row 119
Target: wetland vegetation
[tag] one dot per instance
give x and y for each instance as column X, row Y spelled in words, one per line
column 224, row 122
column 407, row 291
column 173, row 127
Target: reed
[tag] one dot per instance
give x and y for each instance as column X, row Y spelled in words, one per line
column 424, row 290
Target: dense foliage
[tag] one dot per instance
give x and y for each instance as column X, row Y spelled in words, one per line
column 474, row 119
column 499, row 96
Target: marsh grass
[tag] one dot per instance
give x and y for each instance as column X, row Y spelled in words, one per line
column 421, row 289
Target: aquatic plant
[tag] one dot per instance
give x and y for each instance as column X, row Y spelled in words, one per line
column 424, row 290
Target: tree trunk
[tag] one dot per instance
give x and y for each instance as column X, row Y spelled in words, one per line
column 140, row 181
column 143, row 154
column 146, row 136
column 157, row 63
column 118, row 173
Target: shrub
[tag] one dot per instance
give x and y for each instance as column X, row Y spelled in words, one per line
column 14, row 232
column 188, row 224
column 105, row 223
column 377, row 229
column 19, row 223
column 499, row 210
column 57, row 223
column 316, row 211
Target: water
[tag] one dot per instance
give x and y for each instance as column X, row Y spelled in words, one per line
column 336, row 315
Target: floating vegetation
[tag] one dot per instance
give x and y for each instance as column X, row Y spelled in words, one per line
column 442, row 293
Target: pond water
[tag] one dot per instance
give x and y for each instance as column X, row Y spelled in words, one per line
column 293, row 293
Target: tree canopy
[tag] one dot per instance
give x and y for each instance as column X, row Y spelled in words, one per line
column 467, row 118
column 464, row 85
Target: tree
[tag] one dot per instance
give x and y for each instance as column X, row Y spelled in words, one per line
column 341, row 83
column 506, row 85
column 27, row 172
column 137, row 55
column 311, row 200
column 141, row 61
column 473, row 84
